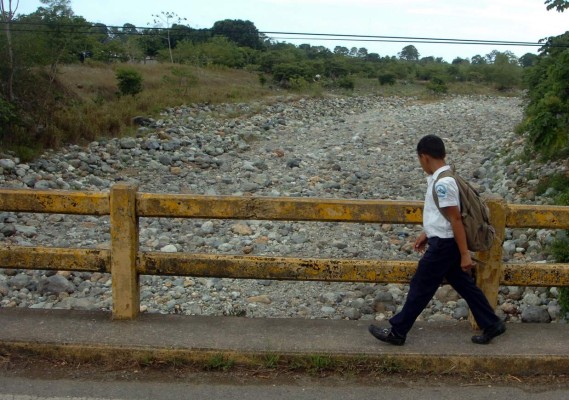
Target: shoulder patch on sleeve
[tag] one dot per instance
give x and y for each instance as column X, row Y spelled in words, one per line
column 441, row 190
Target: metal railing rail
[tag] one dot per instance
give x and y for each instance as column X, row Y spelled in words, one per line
column 125, row 205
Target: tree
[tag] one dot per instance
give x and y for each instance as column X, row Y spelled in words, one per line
column 528, row 60
column 282, row 53
column 362, row 52
column 427, row 60
column 337, row 67
column 315, row 52
column 179, row 33
column 149, row 42
column 511, row 57
column 244, row 33
column 546, row 117
column 132, row 48
column 8, row 10
column 341, row 50
column 129, row 29
column 167, row 19
column 63, row 33
column 129, row 38
column 478, row 60
column 199, row 35
column 100, row 31
column 219, row 50
column 559, row 5
column 505, row 72
column 555, row 45
column 409, row 53
column 459, row 61
column 490, row 57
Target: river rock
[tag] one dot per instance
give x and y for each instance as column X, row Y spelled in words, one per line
column 333, row 147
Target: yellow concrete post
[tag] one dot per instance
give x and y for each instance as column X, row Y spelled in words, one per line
column 124, row 250
column 489, row 273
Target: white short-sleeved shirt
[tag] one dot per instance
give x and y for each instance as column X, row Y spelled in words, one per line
column 434, row 222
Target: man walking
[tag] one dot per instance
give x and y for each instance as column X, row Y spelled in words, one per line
column 446, row 256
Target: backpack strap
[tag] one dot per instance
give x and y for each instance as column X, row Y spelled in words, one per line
column 444, row 174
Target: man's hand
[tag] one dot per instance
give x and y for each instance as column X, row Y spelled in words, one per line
column 420, row 243
column 452, row 213
column 466, row 262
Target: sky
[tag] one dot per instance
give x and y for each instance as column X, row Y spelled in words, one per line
column 495, row 20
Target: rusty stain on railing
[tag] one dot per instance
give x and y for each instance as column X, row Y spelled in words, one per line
column 125, row 262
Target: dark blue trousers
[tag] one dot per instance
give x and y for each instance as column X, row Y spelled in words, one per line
column 441, row 260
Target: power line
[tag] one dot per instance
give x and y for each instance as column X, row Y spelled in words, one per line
column 155, row 31
column 435, row 41
column 478, row 41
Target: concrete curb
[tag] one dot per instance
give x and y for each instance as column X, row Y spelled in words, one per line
column 219, row 359
column 297, row 344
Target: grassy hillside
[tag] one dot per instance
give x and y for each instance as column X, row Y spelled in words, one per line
column 83, row 103
column 98, row 109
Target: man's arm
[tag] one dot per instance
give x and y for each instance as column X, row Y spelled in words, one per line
column 452, row 213
column 421, row 242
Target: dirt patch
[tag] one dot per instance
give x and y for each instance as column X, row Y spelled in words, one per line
column 54, row 369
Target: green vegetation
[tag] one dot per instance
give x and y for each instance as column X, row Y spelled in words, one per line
column 321, row 363
column 61, row 73
column 559, row 5
column 130, row 82
column 387, row 79
column 219, row 362
column 271, row 361
column 546, row 121
column 437, row 85
column 560, row 248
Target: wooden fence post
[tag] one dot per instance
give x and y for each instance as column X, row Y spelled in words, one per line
column 124, row 251
column 489, row 274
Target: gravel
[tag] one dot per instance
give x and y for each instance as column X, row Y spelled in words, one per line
column 338, row 147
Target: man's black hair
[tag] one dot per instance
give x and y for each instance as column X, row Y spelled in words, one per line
column 431, row 145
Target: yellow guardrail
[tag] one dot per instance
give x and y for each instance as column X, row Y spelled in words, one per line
column 125, row 205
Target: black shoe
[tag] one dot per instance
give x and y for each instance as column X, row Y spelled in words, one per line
column 386, row 335
column 490, row 333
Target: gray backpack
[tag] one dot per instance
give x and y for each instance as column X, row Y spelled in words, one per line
column 475, row 214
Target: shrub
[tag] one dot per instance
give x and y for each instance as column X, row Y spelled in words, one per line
column 547, row 113
column 505, row 76
column 474, row 76
column 7, row 118
column 130, row 82
column 25, row 153
column 346, row 83
column 387, row 79
column 298, row 84
column 564, row 302
column 285, row 72
column 7, row 113
column 560, row 248
column 437, row 85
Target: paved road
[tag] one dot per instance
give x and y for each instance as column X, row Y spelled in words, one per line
column 35, row 389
